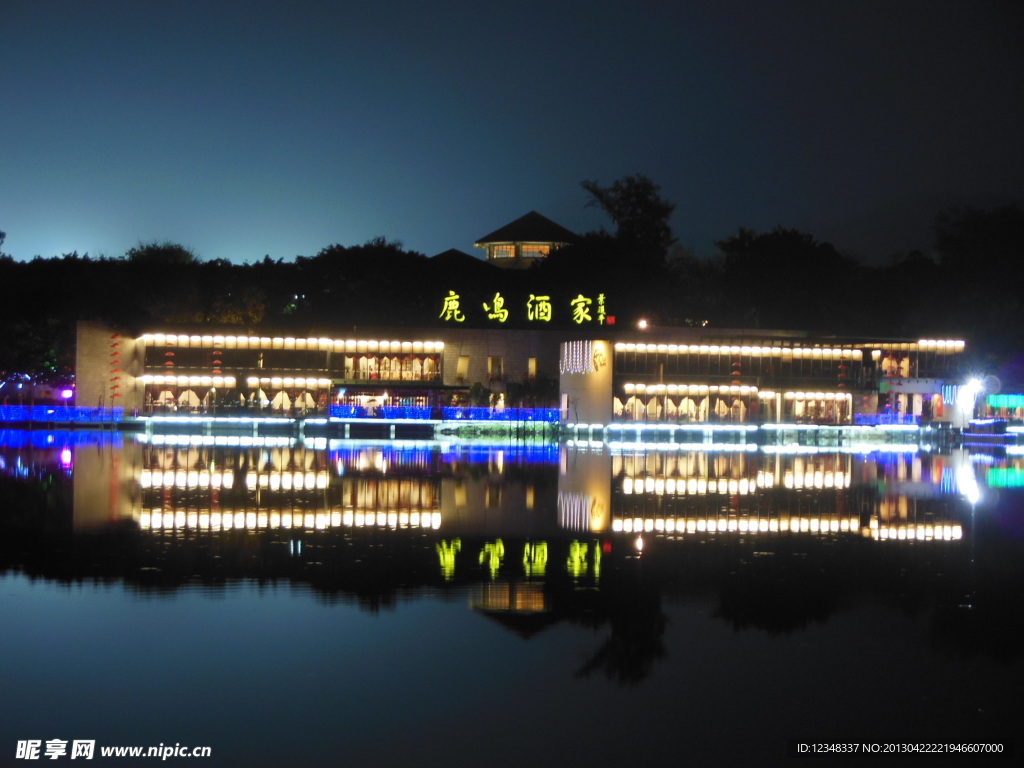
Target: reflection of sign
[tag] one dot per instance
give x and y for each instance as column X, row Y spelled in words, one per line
column 579, row 554
column 491, row 556
column 539, row 309
column 446, row 552
column 535, row 558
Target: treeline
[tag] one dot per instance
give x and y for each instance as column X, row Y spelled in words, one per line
column 970, row 287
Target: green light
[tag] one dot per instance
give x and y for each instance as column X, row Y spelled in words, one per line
column 535, row 558
column 491, row 555
column 1006, row 401
column 1005, row 477
column 446, row 552
column 577, row 561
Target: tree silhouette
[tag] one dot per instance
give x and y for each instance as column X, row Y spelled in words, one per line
column 787, row 279
column 162, row 254
column 640, row 214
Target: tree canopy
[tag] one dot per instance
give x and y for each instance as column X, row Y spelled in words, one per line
column 162, row 254
column 971, row 287
column 640, row 214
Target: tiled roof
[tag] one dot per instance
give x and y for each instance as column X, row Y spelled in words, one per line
column 531, row 228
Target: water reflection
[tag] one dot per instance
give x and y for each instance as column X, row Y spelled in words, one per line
column 591, row 535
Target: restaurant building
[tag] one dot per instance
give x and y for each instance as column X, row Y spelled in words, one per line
column 490, row 337
column 204, row 370
column 702, row 375
column 681, row 375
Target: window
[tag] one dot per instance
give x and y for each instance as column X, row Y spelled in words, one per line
column 494, row 368
column 535, row 251
column 462, row 371
column 531, row 368
column 503, row 251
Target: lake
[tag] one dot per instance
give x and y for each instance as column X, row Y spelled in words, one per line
column 449, row 604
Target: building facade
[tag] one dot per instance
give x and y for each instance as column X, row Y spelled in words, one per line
column 743, row 376
column 202, row 371
column 525, row 241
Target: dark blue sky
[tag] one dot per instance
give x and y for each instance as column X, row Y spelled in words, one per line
column 248, row 128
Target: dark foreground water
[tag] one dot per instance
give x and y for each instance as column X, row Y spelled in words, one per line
column 449, row 605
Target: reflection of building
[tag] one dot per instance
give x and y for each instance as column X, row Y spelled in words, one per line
column 199, row 485
column 700, row 376
column 679, row 494
column 285, row 487
column 516, row 605
column 525, row 241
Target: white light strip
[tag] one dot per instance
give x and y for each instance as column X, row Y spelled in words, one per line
column 287, row 381
column 292, row 342
column 700, row 486
column 691, row 525
column 689, row 389
column 822, row 353
column 822, row 525
column 262, row 520
column 189, row 381
column 156, row 478
column 243, row 441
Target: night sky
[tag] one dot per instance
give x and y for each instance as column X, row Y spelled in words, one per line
column 244, row 129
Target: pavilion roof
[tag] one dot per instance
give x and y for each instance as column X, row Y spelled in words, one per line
column 531, row 228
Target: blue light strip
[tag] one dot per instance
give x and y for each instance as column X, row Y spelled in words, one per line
column 60, row 413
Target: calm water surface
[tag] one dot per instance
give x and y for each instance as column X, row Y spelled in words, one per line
column 453, row 604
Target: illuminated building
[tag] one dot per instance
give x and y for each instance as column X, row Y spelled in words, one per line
column 209, row 372
column 742, row 491
column 705, row 376
column 525, row 241
column 659, row 376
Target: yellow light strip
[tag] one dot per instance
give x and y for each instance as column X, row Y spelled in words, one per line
column 698, row 486
column 818, row 395
column 157, row 478
column 680, row 525
column 689, row 389
column 158, row 519
column 823, row 353
column 287, row 480
column 288, row 381
column 912, row 532
column 292, row 342
column 819, row 525
column 189, row 381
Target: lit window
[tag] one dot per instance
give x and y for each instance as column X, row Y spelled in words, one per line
column 494, row 368
column 503, row 252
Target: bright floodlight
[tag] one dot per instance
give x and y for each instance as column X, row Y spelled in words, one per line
column 967, row 483
column 641, row 324
column 968, row 393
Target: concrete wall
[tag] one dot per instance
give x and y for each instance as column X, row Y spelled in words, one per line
column 587, row 397
column 99, row 351
column 514, row 347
